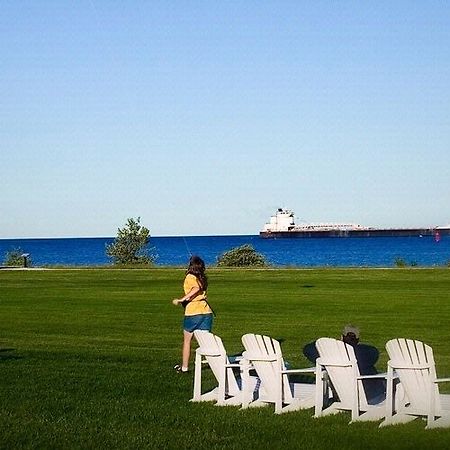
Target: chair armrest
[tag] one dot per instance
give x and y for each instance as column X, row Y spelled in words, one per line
column 237, row 365
column 439, row 380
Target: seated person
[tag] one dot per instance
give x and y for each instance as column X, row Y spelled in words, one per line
column 366, row 357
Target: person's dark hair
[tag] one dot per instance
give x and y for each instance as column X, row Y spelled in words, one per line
column 197, row 268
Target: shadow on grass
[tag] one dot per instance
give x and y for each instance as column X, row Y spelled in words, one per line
column 305, row 379
column 6, row 354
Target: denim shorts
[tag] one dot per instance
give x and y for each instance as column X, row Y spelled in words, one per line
column 198, row 322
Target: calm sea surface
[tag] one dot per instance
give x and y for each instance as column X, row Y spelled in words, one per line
column 348, row 252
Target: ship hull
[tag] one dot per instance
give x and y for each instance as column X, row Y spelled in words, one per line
column 381, row 232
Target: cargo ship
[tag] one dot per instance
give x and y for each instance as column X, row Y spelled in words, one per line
column 282, row 225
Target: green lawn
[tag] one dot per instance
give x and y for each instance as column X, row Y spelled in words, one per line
column 86, row 356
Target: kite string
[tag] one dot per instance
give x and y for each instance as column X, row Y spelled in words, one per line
column 187, row 247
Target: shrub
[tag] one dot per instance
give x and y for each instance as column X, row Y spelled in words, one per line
column 130, row 245
column 243, row 256
column 400, row 262
column 14, row 258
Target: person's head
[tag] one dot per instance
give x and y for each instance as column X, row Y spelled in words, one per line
column 350, row 335
column 197, row 268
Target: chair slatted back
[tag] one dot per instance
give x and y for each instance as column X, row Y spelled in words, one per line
column 413, row 361
column 266, row 357
column 212, row 349
column 339, row 360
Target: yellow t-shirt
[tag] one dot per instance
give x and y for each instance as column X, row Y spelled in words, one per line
column 197, row 305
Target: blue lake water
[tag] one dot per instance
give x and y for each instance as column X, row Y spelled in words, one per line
column 332, row 252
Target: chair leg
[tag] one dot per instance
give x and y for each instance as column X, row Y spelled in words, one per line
column 245, row 384
column 389, row 407
column 355, row 400
column 279, row 391
column 222, row 384
column 320, row 391
column 197, row 378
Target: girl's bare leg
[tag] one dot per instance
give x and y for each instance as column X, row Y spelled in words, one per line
column 187, row 338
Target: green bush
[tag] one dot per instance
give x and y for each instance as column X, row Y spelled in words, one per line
column 243, row 256
column 14, row 258
column 400, row 262
column 130, row 245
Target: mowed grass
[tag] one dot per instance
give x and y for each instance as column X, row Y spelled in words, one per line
column 86, row 356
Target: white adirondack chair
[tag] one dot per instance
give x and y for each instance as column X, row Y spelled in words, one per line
column 337, row 365
column 413, row 363
column 228, row 391
column 265, row 356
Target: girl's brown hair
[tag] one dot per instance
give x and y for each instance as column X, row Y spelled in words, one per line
column 197, row 268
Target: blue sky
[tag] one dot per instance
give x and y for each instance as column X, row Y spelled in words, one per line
column 203, row 117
